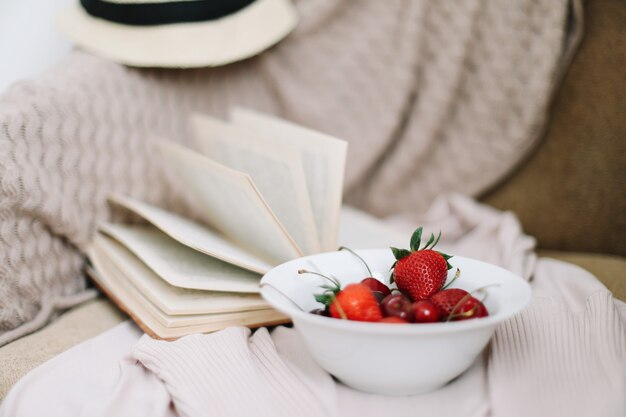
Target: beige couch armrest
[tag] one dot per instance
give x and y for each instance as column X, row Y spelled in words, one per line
column 609, row 269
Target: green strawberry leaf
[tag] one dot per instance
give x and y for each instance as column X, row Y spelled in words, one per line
column 400, row 253
column 436, row 240
column 446, row 257
column 323, row 298
column 391, row 277
column 332, row 288
column 430, row 240
column 416, row 239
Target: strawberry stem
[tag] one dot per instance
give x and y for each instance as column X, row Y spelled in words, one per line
column 369, row 271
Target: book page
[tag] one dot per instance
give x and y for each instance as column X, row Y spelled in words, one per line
column 230, row 203
column 158, row 324
column 172, row 300
column 359, row 230
column 277, row 171
column 323, row 159
column 193, row 235
column 178, row 264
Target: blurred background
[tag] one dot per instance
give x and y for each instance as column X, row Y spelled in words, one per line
column 29, row 40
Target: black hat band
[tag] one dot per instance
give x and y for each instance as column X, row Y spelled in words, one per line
column 145, row 14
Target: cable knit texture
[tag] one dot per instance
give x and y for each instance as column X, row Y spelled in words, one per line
column 431, row 96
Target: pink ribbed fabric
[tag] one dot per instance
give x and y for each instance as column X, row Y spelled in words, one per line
column 227, row 373
column 430, row 95
column 565, row 355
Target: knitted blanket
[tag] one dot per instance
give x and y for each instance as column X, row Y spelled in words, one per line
column 431, row 96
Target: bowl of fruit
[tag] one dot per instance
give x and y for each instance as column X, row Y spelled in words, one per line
column 395, row 321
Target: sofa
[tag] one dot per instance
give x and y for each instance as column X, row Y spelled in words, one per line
column 569, row 193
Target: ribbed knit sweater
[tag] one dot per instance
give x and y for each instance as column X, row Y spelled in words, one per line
column 565, row 355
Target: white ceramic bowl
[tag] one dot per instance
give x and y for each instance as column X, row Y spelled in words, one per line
column 391, row 359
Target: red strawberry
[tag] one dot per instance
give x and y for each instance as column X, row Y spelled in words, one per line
column 420, row 273
column 355, row 302
column 457, row 304
column 471, row 308
column 446, row 300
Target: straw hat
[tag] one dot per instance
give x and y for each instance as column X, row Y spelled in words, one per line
column 179, row 34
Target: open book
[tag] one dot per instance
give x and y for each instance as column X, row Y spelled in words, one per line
column 269, row 191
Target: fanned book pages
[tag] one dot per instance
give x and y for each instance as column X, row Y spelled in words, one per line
column 267, row 191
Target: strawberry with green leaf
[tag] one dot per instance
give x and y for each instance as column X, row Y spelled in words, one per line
column 420, row 272
column 354, row 302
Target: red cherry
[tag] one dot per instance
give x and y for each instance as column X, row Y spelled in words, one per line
column 397, row 305
column 376, row 285
column 379, row 296
column 393, row 319
column 425, row 312
column 320, row 312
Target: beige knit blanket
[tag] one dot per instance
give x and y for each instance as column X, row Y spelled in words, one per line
column 430, row 95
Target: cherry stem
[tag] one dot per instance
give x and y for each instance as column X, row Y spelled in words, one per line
column 266, row 284
column 342, row 313
column 456, row 276
column 369, row 271
column 465, row 298
column 332, row 279
column 459, row 304
column 484, row 287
